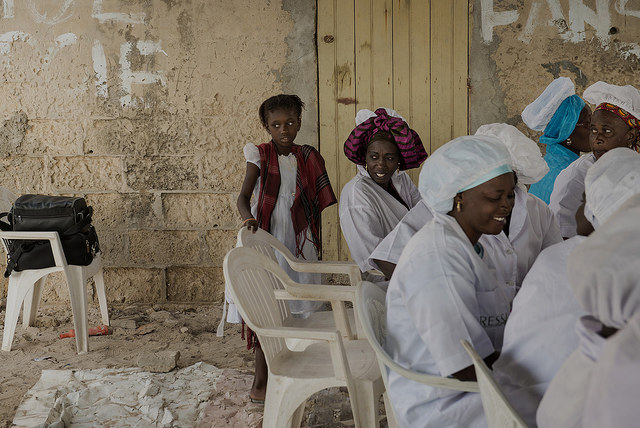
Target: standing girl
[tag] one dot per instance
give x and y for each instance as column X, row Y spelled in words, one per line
column 290, row 188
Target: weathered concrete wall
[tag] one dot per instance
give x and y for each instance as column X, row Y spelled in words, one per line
column 143, row 106
column 519, row 46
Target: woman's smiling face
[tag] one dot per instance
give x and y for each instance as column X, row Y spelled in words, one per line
column 484, row 209
column 383, row 158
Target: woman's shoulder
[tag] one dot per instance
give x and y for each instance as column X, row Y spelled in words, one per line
column 583, row 162
column 353, row 190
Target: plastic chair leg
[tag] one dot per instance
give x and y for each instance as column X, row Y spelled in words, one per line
column 77, row 282
column 32, row 302
column 98, row 278
column 296, row 418
column 364, row 403
column 284, row 398
column 16, row 293
column 391, row 417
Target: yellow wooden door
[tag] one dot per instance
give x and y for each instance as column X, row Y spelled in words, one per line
column 409, row 55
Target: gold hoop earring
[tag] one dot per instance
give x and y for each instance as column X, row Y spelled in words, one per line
column 458, row 206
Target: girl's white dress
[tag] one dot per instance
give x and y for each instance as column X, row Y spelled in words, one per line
column 282, row 230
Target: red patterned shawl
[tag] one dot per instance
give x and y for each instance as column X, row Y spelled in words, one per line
column 313, row 192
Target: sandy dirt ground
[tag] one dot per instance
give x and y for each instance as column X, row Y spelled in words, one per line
column 136, row 330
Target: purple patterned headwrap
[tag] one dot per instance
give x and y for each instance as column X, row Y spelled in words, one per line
column 412, row 152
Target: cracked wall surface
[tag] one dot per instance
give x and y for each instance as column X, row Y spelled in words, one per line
column 519, row 46
column 143, row 107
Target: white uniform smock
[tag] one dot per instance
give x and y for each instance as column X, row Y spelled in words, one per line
column 540, row 334
column 568, row 192
column 612, row 398
column 368, row 212
column 532, row 228
column 282, row 226
column 563, row 404
column 441, row 292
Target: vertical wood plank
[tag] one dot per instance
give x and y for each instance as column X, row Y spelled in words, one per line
column 402, row 59
column 420, row 74
column 363, row 60
column 460, row 48
column 346, row 91
column 382, row 53
column 327, row 111
column 441, row 73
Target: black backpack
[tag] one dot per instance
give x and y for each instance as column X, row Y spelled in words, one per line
column 69, row 216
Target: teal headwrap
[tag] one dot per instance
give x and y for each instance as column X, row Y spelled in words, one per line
column 564, row 121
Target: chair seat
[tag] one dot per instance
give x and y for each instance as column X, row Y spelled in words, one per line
column 313, row 362
column 25, row 289
column 321, row 320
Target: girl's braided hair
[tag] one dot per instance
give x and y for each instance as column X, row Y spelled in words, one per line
column 280, row 102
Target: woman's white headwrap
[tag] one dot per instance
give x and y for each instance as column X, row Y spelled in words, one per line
column 459, row 165
column 538, row 114
column 604, row 270
column 610, row 182
column 526, row 159
column 626, row 97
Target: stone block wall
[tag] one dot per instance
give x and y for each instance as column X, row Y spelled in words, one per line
column 143, row 108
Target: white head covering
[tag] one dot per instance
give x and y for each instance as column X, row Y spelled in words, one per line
column 538, row 114
column 459, row 165
column 365, row 114
column 610, row 182
column 526, row 159
column 604, row 270
column 626, row 97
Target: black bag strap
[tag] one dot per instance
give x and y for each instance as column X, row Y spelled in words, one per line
column 5, row 225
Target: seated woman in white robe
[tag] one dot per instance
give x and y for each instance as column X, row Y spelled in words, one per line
column 604, row 275
column 564, row 119
column 382, row 146
column 613, row 186
column 530, row 228
column 540, row 333
column 442, row 291
column 614, row 123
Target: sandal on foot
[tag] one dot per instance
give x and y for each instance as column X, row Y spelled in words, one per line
column 256, row 400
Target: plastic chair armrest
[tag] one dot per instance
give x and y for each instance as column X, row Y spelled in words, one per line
column 321, row 292
column 347, row 268
column 300, row 333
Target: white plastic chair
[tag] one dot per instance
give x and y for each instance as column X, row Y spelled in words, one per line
column 341, row 318
column 497, row 409
column 296, row 375
column 371, row 310
column 25, row 289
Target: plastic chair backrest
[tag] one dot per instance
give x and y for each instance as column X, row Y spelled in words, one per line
column 371, row 309
column 498, row 411
column 264, row 243
column 248, row 275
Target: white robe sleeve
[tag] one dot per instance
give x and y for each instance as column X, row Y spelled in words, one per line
column 568, row 194
column 390, row 248
column 361, row 228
